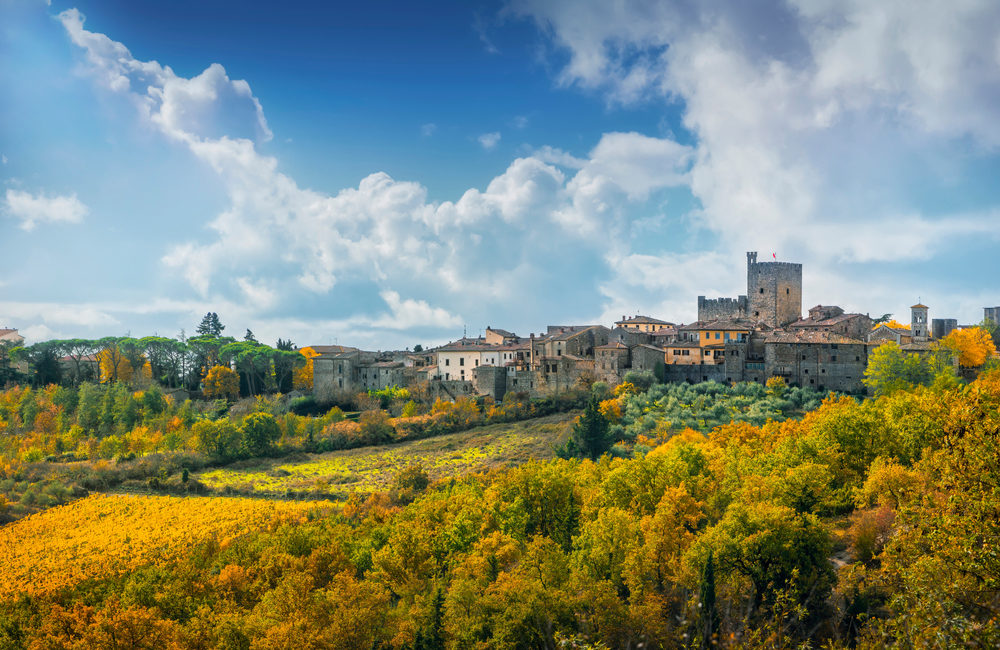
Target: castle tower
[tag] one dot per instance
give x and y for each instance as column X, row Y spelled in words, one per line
column 774, row 290
column 918, row 322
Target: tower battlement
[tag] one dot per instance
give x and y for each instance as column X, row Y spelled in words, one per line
column 774, row 290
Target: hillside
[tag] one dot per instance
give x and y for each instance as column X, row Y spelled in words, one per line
column 338, row 474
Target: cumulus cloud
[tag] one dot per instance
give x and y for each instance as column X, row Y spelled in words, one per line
column 490, row 244
column 813, row 123
column 427, row 130
column 489, row 141
column 33, row 209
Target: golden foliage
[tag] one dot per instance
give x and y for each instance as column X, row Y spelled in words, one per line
column 114, row 366
column 221, row 382
column 973, row 345
column 112, row 534
column 302, row 378
column 894, row 324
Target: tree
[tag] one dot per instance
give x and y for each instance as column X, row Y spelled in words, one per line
column 210, row 326
column 590, row 436
column 221, row 382
column 884, row 318
column 972, row 345
column 259, row 431
column 249, row 336
column 890, row 369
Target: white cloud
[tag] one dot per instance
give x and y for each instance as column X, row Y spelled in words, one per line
column 489, row 244
column 427, row 130
column 33, row 209
column 3, row 159
column 409, row 313
column 520, row 122
column 489, row 140
column 807, row 116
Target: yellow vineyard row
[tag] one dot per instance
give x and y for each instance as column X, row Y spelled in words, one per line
column 108, row 535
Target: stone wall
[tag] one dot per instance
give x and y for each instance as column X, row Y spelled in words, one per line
column 722, row 308
column 822, row 366
column 992, row 313
column 694, row 374
column 774, row 290
column 942, row 327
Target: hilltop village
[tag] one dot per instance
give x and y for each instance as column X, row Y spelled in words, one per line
column 748, row 338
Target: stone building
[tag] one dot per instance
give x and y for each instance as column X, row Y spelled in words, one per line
column 942, row 327
column 992, row 314
column 820, row 360
column 830, row 318
column 639, row 323
column 9, row 335
column 774, row 291
column 774, row 295
column 722, row 308
column 919, row 323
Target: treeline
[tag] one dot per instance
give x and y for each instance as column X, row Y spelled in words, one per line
column 183, row 362
column 864, row 524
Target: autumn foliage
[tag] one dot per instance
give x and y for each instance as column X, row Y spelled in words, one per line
column 972, row 345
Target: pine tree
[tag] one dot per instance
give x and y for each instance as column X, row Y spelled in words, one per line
column 590, row 433
column 709, row 617
column 211, row 325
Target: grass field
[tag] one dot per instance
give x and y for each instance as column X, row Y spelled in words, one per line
column 339, row 473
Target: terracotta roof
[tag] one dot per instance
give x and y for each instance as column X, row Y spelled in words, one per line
column 682, row 344
column 571, row 332
column 617, row 345
column 503, row 333
column 808, row 322
column 330, row 349
column 720, row 324
column 5, row 331
column 809, row 337
column 919, row 306
column 643, row 319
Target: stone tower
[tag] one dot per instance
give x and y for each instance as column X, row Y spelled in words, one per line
column 918, row 322
column 774, row 290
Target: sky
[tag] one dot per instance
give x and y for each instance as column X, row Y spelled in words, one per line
column 385, row 174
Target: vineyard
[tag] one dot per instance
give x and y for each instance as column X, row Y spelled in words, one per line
column 338, row 474
column 107, row 535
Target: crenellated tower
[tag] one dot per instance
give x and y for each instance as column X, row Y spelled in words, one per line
column 774, row 291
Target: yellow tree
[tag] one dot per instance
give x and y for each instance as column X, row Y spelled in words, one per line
column 972, row 345
column 114, row 366
column 221, row 382
column 894, row 324
column 303, row 377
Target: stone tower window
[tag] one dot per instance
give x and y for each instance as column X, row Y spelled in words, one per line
column 762, row 289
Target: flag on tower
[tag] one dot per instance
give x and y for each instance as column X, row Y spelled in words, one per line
column 774, row 255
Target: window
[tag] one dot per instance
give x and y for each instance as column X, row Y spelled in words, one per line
column 762, row 289
column 806, row 371
column 708, row 352
column 823, row 371
column 833, row 346
column 447, row 362
column 461, row 361
column 475, row 362
column 857, row 358
column 716, row 336
column 833, row 358
column 447, row 376
column 803, row 357
column 787, row 291
column 756, row 313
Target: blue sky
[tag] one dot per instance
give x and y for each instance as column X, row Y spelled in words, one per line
column 385, row 174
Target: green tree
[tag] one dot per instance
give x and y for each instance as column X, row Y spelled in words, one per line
column 260, row 431
column 590, row 437
column 210, row 326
